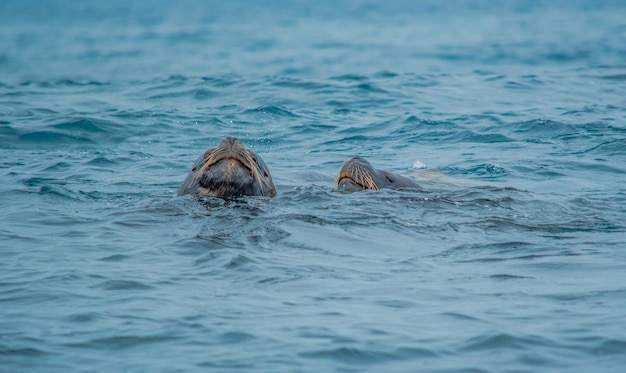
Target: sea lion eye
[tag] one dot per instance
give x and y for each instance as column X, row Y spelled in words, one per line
column 266, row 174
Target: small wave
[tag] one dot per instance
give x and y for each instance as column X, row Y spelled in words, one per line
column 225, row 260
column 251, row 233
column 300, row 84
column 425, row 131
column 63, row 83
column 235, row 337
column 123, row 285
column 124, row 342
column 50, row 137
column 483, row 170
column 516, row 85
column 609, row 148
column 476, row 253
column 369, row 88
column 272, row 111
column 541, row 127
column 350, row 78
column 359, row 356
column 529, row 257
column 30, row 352
column 509, row 277
column 101, row 162
column 311, row 128
column 461, row 316
column 58, row 167
column 83, row 317
column 344, row 111
column 83, row 131
column 618, row 77
column 85, row 125
column 567, row 56
column 609, row 347
column 240, row 262
column 115, row 258
column 395, row 303
column 481, row 138
column 221, row 81
column 385, row 74
column 58, row 190
column 505, row 341
column 197, row 94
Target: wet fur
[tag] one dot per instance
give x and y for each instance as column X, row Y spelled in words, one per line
column 358, row 174
column 245, row 175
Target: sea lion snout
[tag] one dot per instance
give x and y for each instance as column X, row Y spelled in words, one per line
column 229, row 170
column 358, row 174
column 230, row 142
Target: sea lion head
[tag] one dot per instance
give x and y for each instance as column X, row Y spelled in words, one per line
column 357, row 174
column 229, row 170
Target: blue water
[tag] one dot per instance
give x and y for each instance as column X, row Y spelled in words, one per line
column 512, row 259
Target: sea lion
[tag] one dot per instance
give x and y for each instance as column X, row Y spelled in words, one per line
column 358, row 174
column 227, row 171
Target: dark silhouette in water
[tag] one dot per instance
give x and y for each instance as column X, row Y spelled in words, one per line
column 227, row 171
column 358, row 174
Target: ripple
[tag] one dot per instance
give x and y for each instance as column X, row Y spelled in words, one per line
column 271, row 111
column 348, row 355
column 300, row 84
column 26, row 352
column 610, row 148
column 115, row 258
column 512, row 259
column 609, row 347
column 540, row 127
column 484, row 170
column 123, row 285
column 63, row 83
column 124, row 342
column 397, row 303
column 509, row 277
column 49, row 137
column 235, row 337
column 350, row 78
column 197, row 94
column 241, row 262
column 369, row 88
column 83, row 131
column 84, row 317
column 618, row 77
column 505, row 341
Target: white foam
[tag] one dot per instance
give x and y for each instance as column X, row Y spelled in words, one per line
column 417, row 165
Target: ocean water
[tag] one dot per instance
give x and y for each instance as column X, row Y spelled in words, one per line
column 512, row 258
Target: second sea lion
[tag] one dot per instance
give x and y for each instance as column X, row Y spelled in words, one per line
column 358, row 174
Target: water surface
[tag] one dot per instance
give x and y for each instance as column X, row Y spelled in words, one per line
column 511, row 259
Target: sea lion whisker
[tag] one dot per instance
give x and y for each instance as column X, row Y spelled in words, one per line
column 358, row 174
column 229, row 170
column 365, row 179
